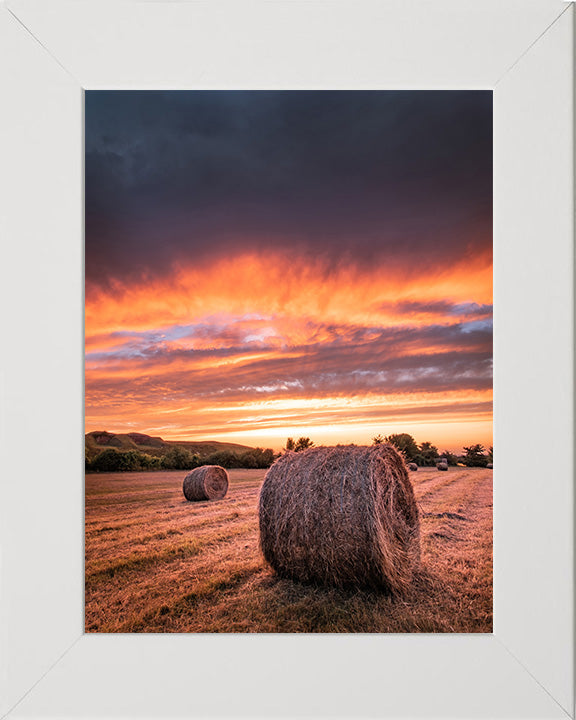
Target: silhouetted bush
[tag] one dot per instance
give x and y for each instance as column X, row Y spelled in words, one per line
column 178, row 458
column 108, row 460
column 112, row 460
column 257, row 458
column 451, row 459
column 428, row 454
column 475, row 456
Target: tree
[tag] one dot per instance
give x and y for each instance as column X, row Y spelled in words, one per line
column 406, row 444
column 224, row 458
column 378, row 440
column 451, row 459
column 151, row 462
column 178, row 458
column 257, row 458
column 303, row 443
column 475, row 456
column 267, row 458
column 490, row 454
column 108, row 460
column 428, row 454
column 113, row 460
column 290, row 444
column 130, row 460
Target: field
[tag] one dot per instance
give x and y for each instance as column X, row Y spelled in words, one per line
column 157, row 563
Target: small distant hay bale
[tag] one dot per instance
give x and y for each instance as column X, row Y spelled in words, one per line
column 341, row 516
column 442, row 465
column 489, row 466
column 209, row 482
column 412, row 466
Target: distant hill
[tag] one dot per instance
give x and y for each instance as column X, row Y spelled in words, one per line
column 99, row 440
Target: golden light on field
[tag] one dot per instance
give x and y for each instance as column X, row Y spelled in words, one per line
column 174, row 583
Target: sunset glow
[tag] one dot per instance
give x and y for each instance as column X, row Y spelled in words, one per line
column 241, row 307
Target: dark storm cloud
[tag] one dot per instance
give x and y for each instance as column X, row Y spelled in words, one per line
column 176, row 177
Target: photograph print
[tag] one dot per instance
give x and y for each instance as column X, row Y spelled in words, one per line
column 288, row 361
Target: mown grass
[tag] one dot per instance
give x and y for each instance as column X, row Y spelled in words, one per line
column 156, row 563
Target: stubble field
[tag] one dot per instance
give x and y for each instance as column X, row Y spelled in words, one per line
column 157, row 563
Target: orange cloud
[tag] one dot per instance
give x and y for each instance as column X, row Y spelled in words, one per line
column 261, row 346
column 276, row 284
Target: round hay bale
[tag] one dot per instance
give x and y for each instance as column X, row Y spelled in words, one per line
column 489, row 466
column 442, row 466
column 413, row 467
column 209, row 482
column 341, row 516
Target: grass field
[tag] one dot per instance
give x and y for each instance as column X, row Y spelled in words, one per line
column 157, row 563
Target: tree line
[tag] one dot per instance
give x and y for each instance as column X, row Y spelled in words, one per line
column 426, row 455
column 177, row 458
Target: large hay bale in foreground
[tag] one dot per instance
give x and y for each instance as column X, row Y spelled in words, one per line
column 209, row 482
column 341, row 516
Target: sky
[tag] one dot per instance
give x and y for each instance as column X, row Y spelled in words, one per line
column 272, row 264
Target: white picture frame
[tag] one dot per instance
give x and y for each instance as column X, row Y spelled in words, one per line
column 50, row 51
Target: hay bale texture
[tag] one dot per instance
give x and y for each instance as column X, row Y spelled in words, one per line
column 341, row 516
column 209, row 482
